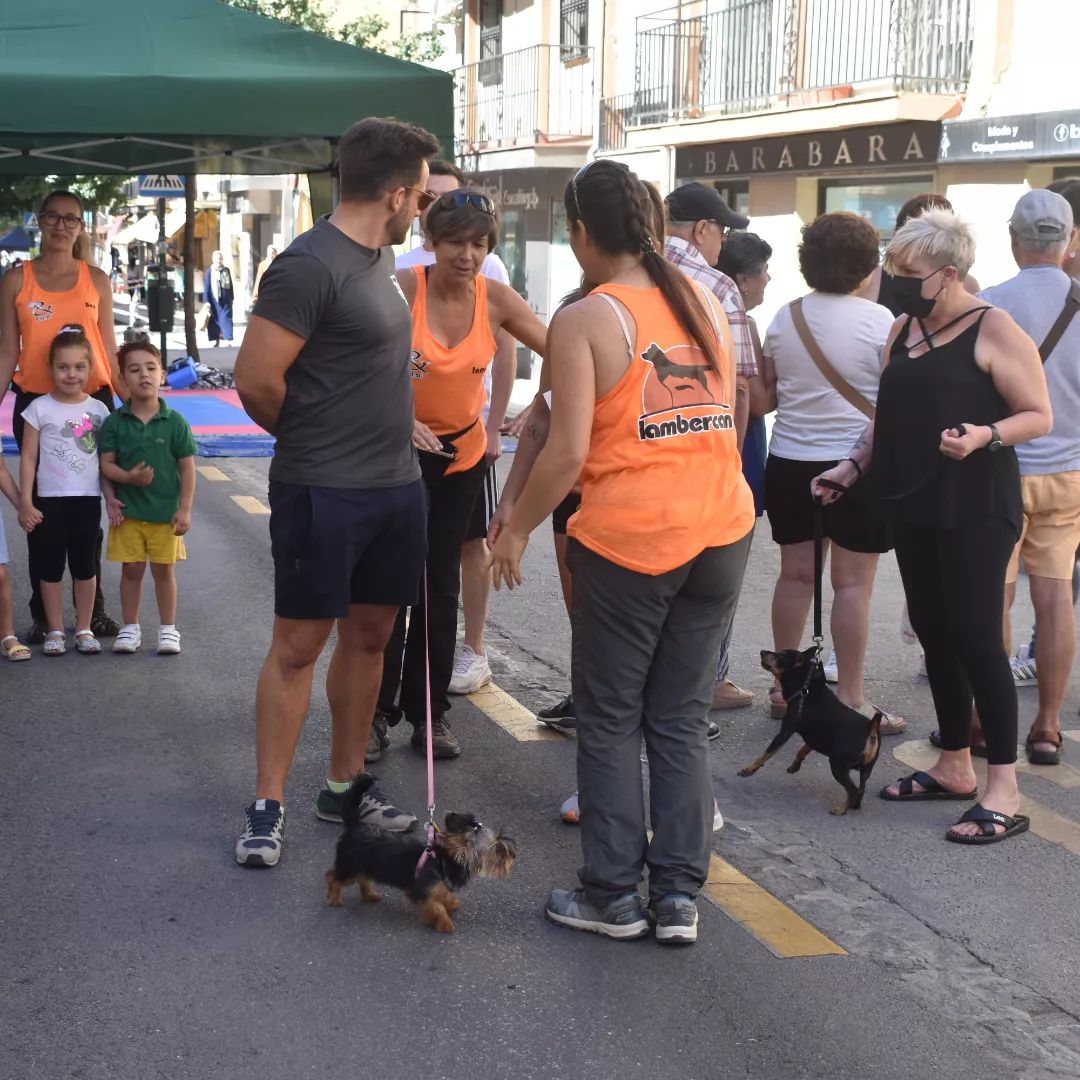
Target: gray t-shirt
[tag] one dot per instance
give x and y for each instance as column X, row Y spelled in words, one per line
column 1034, row 298
column 347, row 419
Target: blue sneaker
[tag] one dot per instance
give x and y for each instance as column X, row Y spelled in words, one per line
column 622, row 919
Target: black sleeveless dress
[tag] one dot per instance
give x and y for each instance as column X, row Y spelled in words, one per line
column 918, row 398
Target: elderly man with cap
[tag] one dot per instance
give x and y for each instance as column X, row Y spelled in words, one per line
column 698, row 220
column 1043, row 301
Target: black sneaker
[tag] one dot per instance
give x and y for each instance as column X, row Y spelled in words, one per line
column 444, row 743
column 375, row 809
column 561, row 717
column 104, row 626
column 714, row 730
column 36, row 634
column 379, row 739
column 675, row 919
column 264, row 832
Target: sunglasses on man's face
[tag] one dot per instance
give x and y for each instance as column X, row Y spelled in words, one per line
column 424, row 197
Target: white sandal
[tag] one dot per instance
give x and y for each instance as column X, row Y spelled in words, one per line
column 86, row 643
column 55, row 643
column 15, row 652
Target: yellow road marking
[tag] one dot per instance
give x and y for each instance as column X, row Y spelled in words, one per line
column 1044, row 821
column 512, row 716
column 773, row 923
column 250, row 504
column 212, row 472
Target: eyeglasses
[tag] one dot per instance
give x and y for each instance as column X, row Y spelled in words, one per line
column 426, row 198
column 52, row 219
column 476, row 199
column 584, row 169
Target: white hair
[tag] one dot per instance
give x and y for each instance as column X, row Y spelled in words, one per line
column 1052, row 249
column 938, row 236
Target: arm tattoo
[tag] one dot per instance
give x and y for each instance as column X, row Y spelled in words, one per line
column 533, row 432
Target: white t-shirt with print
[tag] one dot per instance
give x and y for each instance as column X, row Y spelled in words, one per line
column 68, row 451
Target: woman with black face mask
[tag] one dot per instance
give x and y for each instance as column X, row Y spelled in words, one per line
column 962, row 386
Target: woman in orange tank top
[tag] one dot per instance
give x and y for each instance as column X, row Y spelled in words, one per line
column 59, row 288
column 456, row 313
column 643, row 384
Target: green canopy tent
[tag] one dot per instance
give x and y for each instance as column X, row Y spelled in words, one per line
column 186, row 86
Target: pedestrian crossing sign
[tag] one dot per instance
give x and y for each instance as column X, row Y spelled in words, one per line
column 161, row 185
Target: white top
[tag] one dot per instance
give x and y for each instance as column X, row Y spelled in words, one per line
column 492, row 267
column 813, row 422
column 1034, row 298
column 68, row 451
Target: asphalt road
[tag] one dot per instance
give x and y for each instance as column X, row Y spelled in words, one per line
column 132, row 945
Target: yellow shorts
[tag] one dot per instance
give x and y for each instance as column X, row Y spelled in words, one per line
column 139, row 541
column 1051, row 526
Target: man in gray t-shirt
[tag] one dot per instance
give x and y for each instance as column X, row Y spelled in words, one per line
column 325, row 368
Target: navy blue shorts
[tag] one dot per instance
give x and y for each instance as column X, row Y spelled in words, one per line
column 334, row 547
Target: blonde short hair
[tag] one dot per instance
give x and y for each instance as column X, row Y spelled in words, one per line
column 936, row 235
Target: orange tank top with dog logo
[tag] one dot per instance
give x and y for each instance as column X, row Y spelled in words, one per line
column 448, row 384
column 663, row 477
column 42, row 315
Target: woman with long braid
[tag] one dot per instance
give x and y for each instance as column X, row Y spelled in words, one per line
column 642, row 381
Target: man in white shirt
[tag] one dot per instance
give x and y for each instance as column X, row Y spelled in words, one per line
column 471, row 668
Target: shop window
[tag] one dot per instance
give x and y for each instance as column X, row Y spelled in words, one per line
column 878, row 201
column 490, row 72
column 573, row 29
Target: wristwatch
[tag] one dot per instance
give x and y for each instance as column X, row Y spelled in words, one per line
column 995, row 442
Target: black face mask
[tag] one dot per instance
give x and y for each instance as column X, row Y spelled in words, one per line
column 909, row 298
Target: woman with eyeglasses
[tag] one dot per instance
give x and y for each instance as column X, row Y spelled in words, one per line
column 59, row 288
column 456, row 313
column 643, row 410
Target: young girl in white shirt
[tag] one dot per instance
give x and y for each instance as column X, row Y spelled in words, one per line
column 64, row 516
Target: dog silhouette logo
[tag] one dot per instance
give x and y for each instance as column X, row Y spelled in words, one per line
column 681, row 395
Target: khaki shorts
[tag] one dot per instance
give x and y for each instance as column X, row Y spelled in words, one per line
column 1051, row 526
column 139, row 541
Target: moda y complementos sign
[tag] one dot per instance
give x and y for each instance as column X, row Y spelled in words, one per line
column 1011, row 138
column 846, row 149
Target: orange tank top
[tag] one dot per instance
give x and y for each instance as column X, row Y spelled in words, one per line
column 42, row 315
column 448, row 384
column 663, row 478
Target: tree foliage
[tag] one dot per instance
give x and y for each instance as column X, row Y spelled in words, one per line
column 366, row 32
column 19, row 194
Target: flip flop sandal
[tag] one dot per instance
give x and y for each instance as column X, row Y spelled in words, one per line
column 1043, row 757
column 986, row 820
column 15, row 652
column 86, row 643
column 933, row 791
column 55, row 643
column 977, row 749
column 890, row 723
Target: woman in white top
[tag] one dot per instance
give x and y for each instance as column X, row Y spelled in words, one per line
column 815, row 424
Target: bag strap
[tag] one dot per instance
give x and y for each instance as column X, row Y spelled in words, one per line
column 1068, row 313
column 834, row 379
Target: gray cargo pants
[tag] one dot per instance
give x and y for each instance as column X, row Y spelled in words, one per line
column 644, row 656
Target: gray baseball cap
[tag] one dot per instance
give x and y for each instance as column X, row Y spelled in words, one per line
column 1042, row 215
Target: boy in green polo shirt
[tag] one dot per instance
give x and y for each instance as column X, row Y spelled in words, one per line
column 148, row 452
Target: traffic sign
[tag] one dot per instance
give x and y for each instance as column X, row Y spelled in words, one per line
column 161, row 186
column 29, row 220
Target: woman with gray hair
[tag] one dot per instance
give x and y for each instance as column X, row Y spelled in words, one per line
column 963, row 385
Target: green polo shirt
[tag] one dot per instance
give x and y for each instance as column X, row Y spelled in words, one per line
column 160, row 443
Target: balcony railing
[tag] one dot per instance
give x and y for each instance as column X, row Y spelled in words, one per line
column 535, row 95
column 740, row 56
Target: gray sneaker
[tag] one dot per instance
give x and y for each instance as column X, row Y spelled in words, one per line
column 378, row 740
column 375, row 809
column 622, row 919
column 675, row 919
column 264, row 831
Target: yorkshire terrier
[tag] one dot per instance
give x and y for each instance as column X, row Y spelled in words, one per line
column 366, row 854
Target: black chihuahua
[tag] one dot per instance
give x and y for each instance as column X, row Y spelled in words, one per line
column 847, row 738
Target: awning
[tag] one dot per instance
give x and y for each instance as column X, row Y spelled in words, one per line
column 146, row 229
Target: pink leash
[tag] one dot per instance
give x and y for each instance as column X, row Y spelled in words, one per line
column 429, row 848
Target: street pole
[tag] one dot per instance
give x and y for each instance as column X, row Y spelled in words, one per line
column 162, row 271
column 189, row 268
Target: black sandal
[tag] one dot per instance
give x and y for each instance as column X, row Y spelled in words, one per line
column 1043, row 757
column 933, row 790
column 986, row 820
column 977, row 749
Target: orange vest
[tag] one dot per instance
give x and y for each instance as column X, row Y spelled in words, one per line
column 448, row 384
column 663, row 479
column 42, row 315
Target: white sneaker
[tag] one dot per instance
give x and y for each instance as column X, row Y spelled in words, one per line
column 832, row 675
column 129, row 639
column 717, row 817
column 471, row 671
column 168, row 642
column 1023, row 667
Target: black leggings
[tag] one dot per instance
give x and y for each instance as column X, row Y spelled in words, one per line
column 954, row 580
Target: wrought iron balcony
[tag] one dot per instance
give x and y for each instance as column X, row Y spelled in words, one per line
column 535, row 95
column 741, row 56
